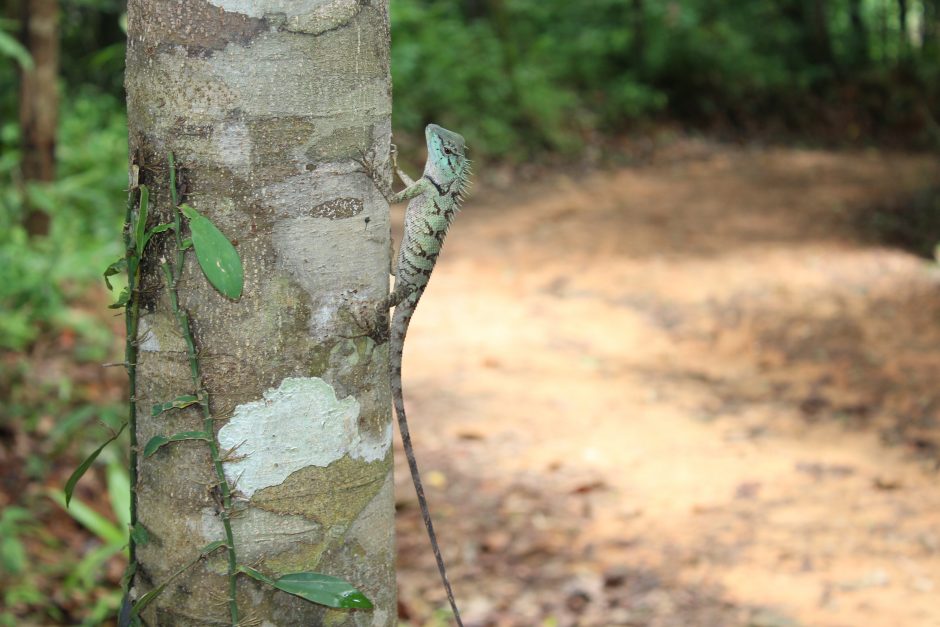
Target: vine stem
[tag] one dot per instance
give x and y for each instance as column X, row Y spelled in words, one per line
column 173, row 275
column 131, row 318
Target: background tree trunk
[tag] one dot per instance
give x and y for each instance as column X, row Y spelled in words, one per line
column 39, row 100
column 638, row 31
column 266, row 106
column 929, row 26
column 859, row 35
column 816, row 19
column 903, row 36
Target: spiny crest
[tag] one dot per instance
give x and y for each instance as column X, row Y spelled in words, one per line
column 463, row 182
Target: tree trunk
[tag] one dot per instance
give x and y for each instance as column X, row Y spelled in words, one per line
column 860, row 53
column 930, row 24
column 266, row 106
column 638, row 28
column 817, row 25
column 39, row 100
column 903, row 37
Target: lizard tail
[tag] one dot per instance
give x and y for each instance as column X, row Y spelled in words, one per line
column 400, row 321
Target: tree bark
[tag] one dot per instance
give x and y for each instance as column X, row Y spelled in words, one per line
column 903, row 37
column 860, row 52
column 39, row 100
column 929, row 27
column 638, row 30
column 817, row 25
column 267, row 106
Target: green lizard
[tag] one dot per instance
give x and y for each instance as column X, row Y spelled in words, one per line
column 434, row 201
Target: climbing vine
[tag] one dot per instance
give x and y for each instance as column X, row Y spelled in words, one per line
column 222, row 267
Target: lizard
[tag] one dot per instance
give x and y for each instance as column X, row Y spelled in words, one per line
column 434, row 200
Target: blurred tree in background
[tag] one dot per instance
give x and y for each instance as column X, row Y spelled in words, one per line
column 523, row 76
column 522, row 79
column 37, row 276
column 39, row 100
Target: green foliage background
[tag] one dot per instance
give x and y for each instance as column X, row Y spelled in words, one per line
column 521, row 79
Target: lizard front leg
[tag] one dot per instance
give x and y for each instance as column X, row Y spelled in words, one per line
column 407, row 180
column 366, row 162
column 413, row 190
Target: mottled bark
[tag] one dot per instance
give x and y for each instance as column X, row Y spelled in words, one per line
column 39, row 100
column 266, row 105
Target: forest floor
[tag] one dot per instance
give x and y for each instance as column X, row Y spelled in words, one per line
column 681, row 393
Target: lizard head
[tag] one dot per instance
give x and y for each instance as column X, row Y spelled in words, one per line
column 447, row 156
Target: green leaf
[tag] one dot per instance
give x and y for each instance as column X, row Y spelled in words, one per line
column 210, row 548
column 42, row 196
column 177, row 403
column 129, row 573
column 141, row 604
column 158, row 441
column 160, row 228
column 139, row 534
column 13, row 557
column 255, row 574
column 107, row 531
column 10, row 47
column 85, row 465
column 122, row 300
column 119, row 492
column 172, row 161
column 117, row 267
column 140, row 227
column 187, row 243
column 154, row 444
column 217, row 257
column 315, row 587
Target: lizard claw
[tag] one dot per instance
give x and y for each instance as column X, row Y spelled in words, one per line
column 366, row 163
column 369, row 320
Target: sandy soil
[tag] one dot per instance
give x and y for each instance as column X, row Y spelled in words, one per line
column 684, row 393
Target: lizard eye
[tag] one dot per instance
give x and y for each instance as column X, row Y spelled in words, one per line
column 448, row 151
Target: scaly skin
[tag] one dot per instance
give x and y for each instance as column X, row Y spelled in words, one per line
column 434, row 201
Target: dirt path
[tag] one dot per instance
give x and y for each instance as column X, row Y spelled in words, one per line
column 682, row 394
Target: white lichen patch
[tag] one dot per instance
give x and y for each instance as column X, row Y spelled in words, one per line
column 329, row 15
column 146, row 338
column 303, row 16
column 301, row 423
column 156, row 334
column 233, row 145
column 260, row 8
